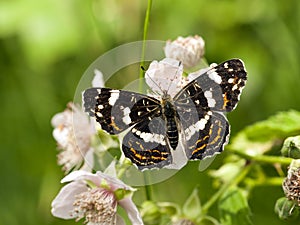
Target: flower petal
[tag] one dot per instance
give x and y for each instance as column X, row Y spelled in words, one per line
column 164, row 76
column 78, row 175
column 111, row 169
column 113, row 182
column 120, row 220
column 58, row 119
column 132, row 211
column 88, row 160
column 188, row 50
column 196, row 74
column 98, row 79
column 62, row 205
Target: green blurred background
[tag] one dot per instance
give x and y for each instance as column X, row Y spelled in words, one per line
column 45, row 47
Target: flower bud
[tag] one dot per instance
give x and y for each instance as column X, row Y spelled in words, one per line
column 291, row 147
column 286, row 209
column 150, row 213
column 188, row 50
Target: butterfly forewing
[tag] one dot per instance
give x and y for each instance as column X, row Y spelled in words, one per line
column 117, row 110
column 223, row 84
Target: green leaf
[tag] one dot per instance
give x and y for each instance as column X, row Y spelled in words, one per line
column 228, row 171
column 261, row 136
column 281, row 125
column 234, row 208
column 192, row 207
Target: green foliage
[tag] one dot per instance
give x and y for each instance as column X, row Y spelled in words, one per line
column 286, row 209
column 279, row 126
column 234, row 208
column 261, row 136
column 192, row 207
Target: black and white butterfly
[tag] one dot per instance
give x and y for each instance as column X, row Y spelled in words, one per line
column 156, row 127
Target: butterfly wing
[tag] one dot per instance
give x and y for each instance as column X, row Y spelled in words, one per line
column 222, row 85
column 200, row 105
column 205, row 132
column 117, row 110
column 211, row 139
column 146, row 144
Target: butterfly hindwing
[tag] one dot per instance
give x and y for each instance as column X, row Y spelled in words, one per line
column 117, row 110
column 211, row 139
column 146, row 144
column 205, row 132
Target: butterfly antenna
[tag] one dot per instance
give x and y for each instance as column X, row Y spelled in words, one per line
column 152, row 80
column 170, row 83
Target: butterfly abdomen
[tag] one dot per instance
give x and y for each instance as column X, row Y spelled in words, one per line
column 172, row 132
column 171, row 124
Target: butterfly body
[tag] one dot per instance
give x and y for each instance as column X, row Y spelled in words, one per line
column 192, row 120
column 170, row 117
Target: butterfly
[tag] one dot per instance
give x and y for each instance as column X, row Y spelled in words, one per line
column 191, row 121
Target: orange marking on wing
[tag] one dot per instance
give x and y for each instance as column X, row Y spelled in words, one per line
column 114, row 125
column 226, row 100
column 217, row 136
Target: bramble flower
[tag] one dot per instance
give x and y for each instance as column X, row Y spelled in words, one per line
column 165, row 76
column 188, row 50
column 291, row 184
column 95, row 198
column 72, row 131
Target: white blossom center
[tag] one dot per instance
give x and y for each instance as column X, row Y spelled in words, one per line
column 97, row 206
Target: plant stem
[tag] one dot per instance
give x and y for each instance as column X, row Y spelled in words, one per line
column 272, row 181
column 146, row 25
column 148, row 188
column 262, row 158
column 227, row 185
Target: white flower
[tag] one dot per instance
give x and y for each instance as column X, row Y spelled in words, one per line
column 98, row 80
column 165, row 76
column 188, row 50
column 73, row 131
column 95, row 197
